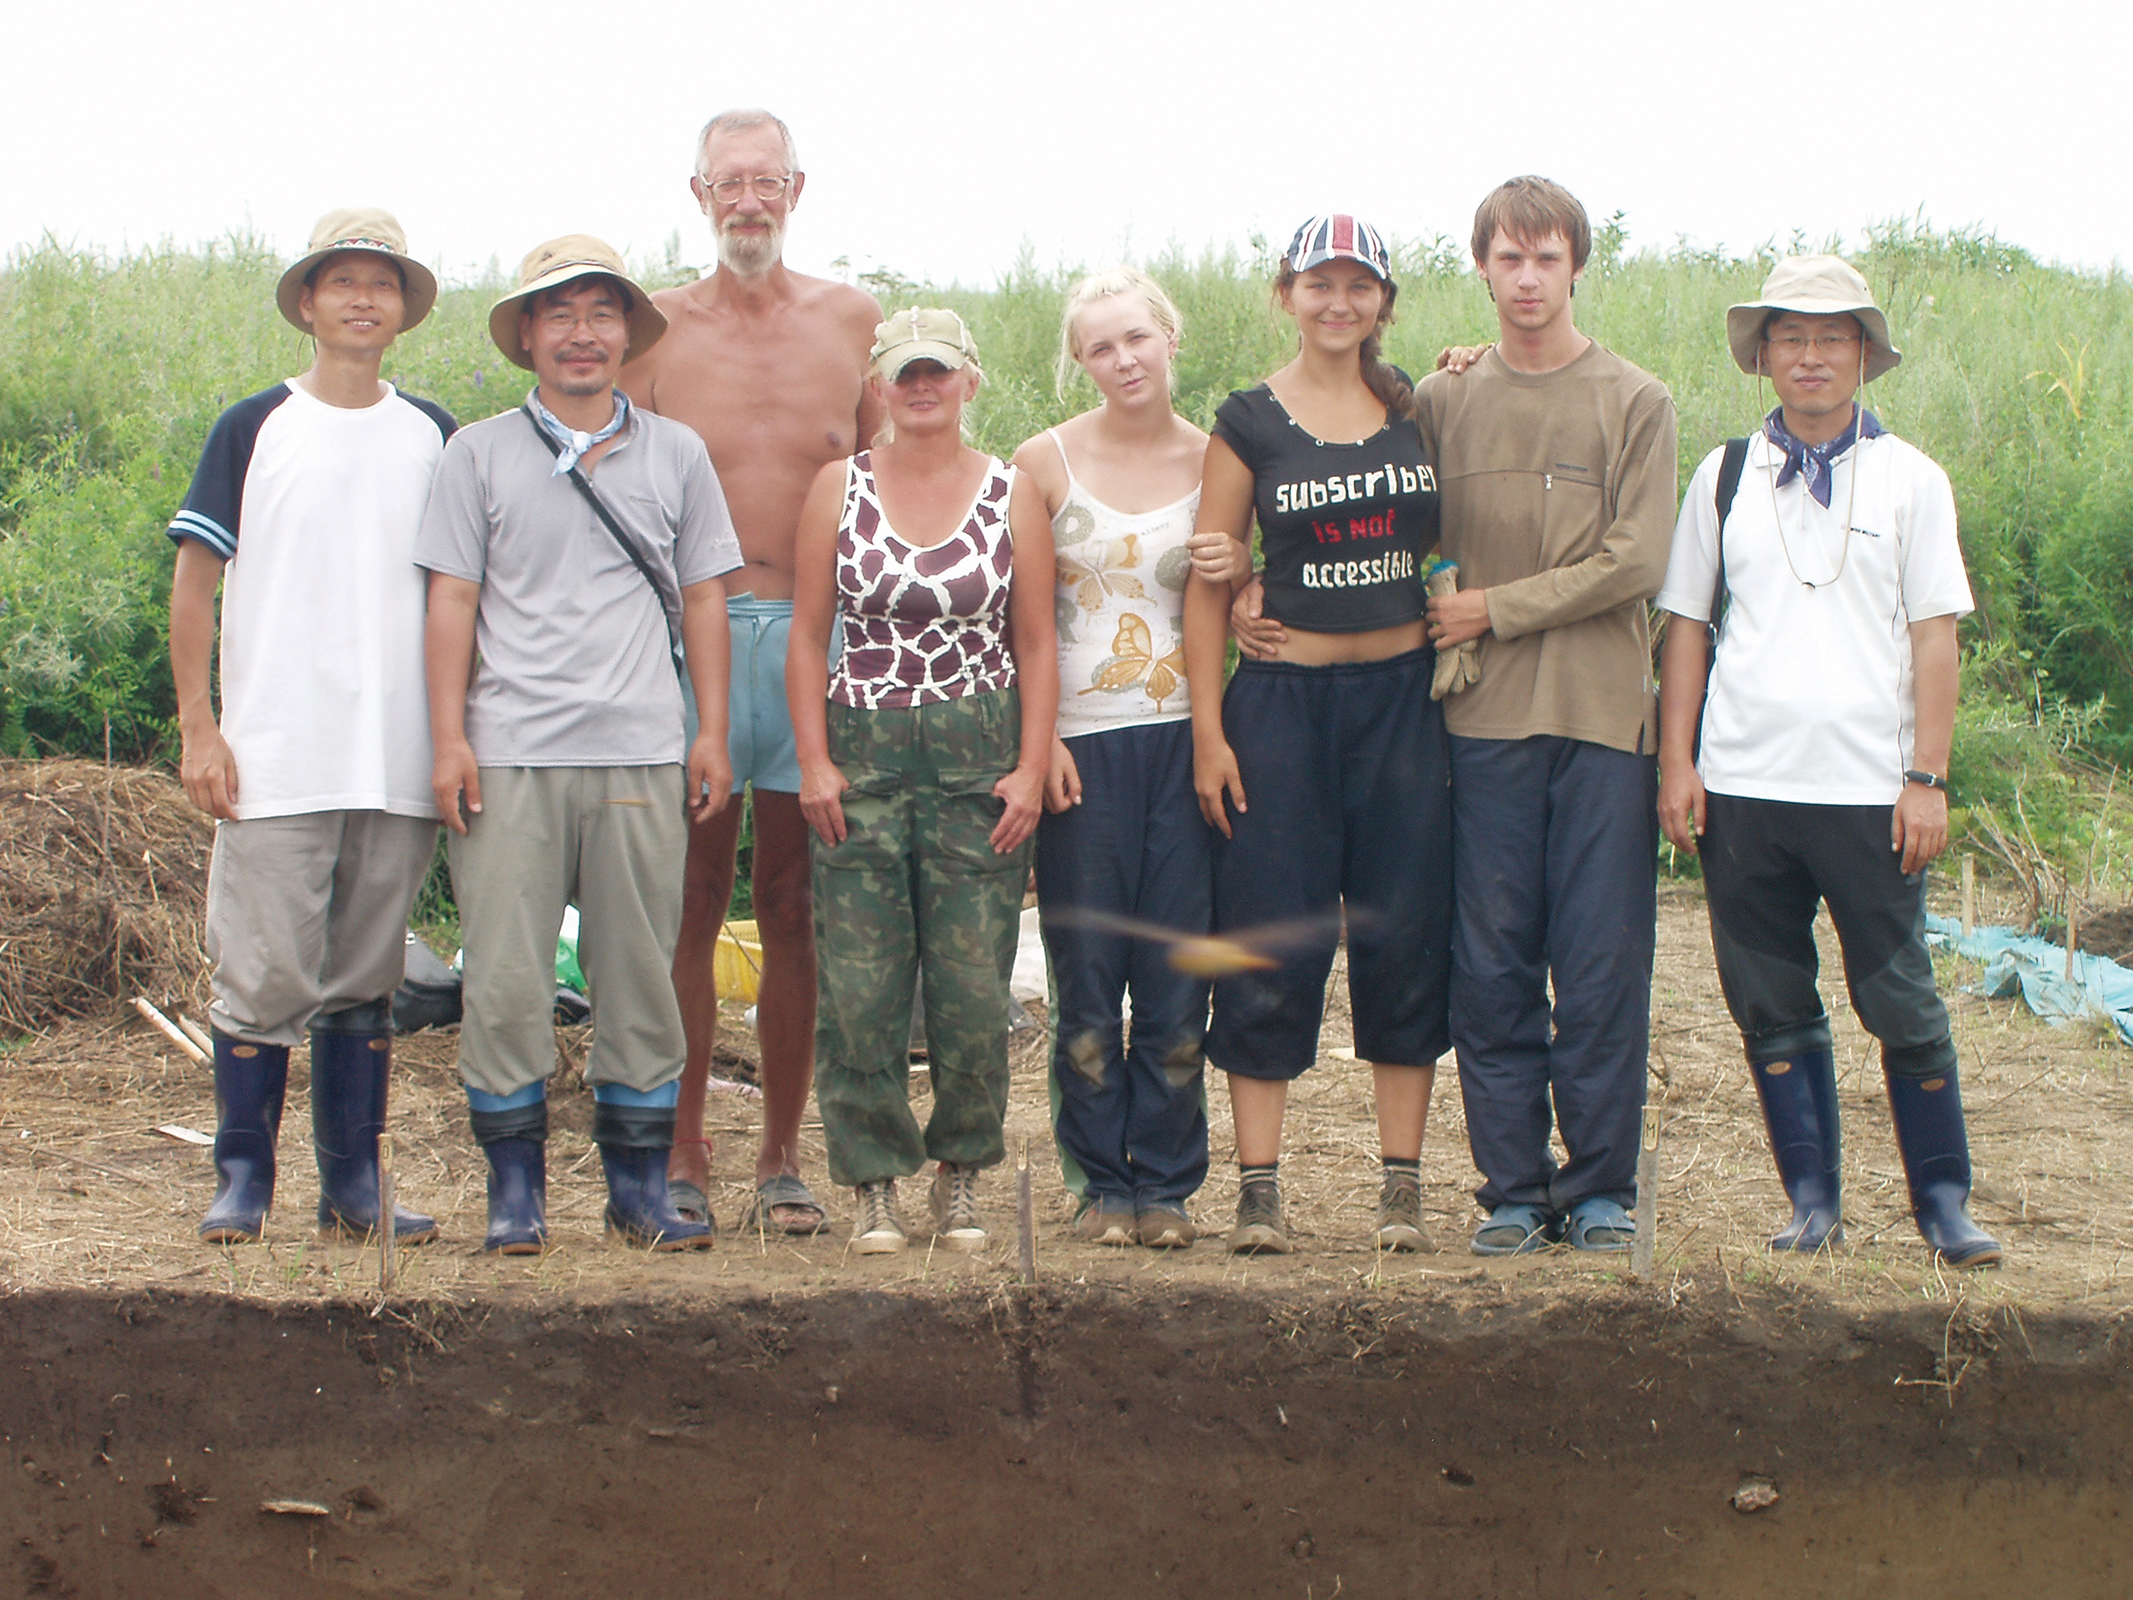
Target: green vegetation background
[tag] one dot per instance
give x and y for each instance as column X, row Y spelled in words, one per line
column 2016, row 378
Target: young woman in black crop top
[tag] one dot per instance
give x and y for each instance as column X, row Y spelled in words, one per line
column 1325, row 771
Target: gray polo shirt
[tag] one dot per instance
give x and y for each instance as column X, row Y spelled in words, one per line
column 572, row 667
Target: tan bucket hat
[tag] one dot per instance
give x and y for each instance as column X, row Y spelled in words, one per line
column 574, row 255
column 922, row 333
column 359, row 228
column 1814, row 286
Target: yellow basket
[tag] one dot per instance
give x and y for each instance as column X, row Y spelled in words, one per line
column 737, row 962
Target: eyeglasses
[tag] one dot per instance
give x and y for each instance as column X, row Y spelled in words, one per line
column 727, row 190
column 1796, row 344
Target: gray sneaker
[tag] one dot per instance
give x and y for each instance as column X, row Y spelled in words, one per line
column 955, row 1207
column 1260, row 1229
column 880, row 1230
column 1400, row 1217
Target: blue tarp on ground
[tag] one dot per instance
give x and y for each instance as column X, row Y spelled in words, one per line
column 2100, row 990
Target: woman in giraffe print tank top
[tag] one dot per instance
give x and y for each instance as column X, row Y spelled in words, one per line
column 922, row 764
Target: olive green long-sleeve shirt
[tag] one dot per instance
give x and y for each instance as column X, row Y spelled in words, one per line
column 1559, row 500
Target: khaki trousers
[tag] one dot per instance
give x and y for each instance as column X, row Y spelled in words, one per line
column 609, row 840
column 308, row 914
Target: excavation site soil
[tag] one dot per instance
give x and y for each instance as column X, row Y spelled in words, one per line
column 780, row 1417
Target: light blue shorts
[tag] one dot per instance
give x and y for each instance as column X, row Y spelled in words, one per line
column 759, row 727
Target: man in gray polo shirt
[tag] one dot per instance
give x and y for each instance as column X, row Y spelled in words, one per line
column 562, row 739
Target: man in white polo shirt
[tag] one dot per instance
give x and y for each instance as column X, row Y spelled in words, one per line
column 304, row 510
column 1825, row 550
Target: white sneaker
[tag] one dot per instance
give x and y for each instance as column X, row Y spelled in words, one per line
column 955, row 1207
column 880, row 1230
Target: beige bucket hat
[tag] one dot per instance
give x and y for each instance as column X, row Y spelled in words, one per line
column 359, row 228
column 922, row 333
column 1814, row 286
column 574, row 255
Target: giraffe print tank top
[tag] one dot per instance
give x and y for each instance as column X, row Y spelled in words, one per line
column 919, row 625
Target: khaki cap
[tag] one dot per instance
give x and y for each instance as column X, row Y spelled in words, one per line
column 559, row 261
column 1814, row 286
column 359, row 228
column 922, row 333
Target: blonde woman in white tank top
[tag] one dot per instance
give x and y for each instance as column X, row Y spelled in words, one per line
column 1122, row 841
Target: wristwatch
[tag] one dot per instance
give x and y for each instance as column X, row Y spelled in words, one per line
column 1931, row 780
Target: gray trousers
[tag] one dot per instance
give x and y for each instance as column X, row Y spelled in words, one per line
column 308, row 914
column 609, row 840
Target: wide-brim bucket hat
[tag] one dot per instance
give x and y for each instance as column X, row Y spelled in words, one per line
column 359, row 228
column 559, row 261
column 1813, row 286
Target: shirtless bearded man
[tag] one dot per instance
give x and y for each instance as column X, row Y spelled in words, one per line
column 769, row 366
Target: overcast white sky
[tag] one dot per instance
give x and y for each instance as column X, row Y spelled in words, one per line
column 938, row 135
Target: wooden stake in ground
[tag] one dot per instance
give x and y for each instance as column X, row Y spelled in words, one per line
column 170, row 1029
column 2073, row 936
column 386, row 1263
column 1969, row 895
column 1640, row 1249
column 1025, row 1216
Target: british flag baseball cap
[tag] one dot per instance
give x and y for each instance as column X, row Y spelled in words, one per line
column 1336, row 237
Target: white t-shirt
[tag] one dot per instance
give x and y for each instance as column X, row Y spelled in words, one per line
column 1811, row 696
column 315, row 508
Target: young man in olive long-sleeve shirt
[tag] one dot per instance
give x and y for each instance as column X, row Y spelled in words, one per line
column 1556, row 460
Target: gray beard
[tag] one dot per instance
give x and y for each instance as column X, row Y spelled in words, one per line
column 750, row 255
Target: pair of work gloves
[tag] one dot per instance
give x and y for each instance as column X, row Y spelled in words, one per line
column 1459, row 667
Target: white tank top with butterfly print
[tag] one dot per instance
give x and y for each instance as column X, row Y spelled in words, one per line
column 1121, row 608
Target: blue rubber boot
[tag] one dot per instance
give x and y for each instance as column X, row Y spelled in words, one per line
column 1800, row 1109
column 512, row 1131
column 1936, row 1164
column 351, row 1062
column 251, row 1081
column 635, row 1132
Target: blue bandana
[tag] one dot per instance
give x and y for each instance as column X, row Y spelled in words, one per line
column 575, row 444
column 1814, row 462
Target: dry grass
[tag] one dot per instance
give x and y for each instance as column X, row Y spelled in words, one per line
column 103, row 875
column 97, row 1199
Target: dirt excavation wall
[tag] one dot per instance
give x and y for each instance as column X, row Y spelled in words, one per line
column 1061, row 1443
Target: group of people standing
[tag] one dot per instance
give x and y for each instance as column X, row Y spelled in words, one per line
column 734, row 543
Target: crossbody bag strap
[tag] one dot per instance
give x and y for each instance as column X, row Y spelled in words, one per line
column 1730, row 467
column 583, row 485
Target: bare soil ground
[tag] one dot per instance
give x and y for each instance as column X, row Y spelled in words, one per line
column 779, row 1416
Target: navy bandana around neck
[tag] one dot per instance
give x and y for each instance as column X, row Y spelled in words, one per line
column 1814, row 462
column 574, row 443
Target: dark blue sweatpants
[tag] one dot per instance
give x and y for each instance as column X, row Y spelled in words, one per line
column 1553, row 849
column 1132, row 1115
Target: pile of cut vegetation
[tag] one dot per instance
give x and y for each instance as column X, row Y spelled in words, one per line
column 103, row 877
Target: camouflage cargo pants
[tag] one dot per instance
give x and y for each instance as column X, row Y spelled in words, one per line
column 916, row 885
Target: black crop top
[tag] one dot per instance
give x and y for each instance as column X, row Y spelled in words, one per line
column 1344, row 527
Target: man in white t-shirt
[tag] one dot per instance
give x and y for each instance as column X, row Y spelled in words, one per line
column 304, row 509
column 1825, row 550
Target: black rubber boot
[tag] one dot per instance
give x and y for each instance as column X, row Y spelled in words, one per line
column 1936, row 1163
column 516, row 1144
column 351, row 1062
column 251, row 1081
column 634, row 1142
column 1800, row 1110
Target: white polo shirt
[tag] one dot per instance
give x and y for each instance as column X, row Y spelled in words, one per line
column 1811, row 697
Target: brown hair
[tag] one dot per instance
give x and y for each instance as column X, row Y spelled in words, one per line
column 1529, row 209
column 1380, row 377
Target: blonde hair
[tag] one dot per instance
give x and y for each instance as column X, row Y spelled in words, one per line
column 1104, row 286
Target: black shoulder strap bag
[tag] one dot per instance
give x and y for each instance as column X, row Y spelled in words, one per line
column 669, row 605
column 1730, row 467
